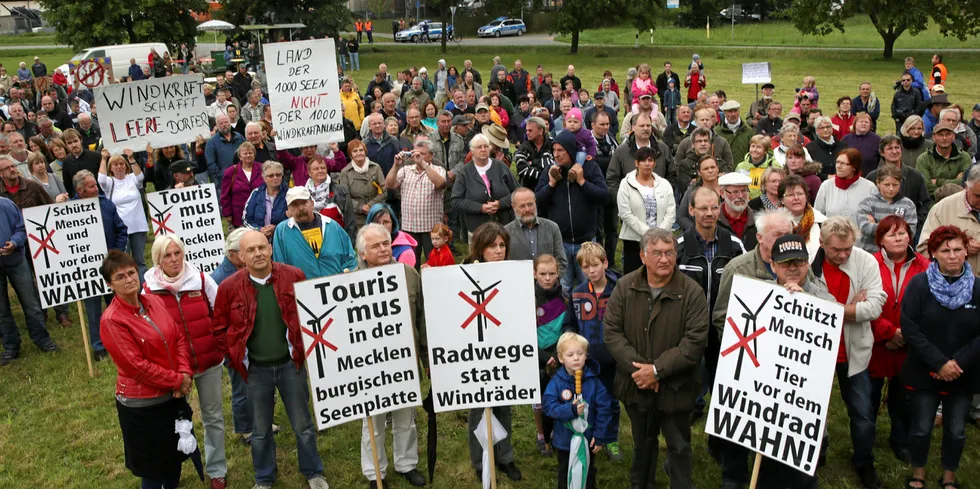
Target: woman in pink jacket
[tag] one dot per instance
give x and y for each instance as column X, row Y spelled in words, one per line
column 237, row 184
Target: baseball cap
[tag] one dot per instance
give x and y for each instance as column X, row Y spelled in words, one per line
column 793, row 115
column 297, row 193
column 976, row 107
column 461, row 120
column 789, row 247
column 480, row 107
column 181, row 166
column 731, row 105
column 734, row 178
column 646, row 95
column 943, row 126
column 601, row 95
column 768, row 85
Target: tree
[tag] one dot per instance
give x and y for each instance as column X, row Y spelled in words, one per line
column 891, row 18
column 574, row 16
column 322, row 17
column 379, row 7
column 83, row 23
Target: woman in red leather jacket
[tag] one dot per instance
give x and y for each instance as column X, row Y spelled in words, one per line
column 898, row 262
column 154, row 374
column 188, row 295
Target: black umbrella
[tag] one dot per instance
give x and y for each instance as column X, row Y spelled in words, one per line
column 433, row 438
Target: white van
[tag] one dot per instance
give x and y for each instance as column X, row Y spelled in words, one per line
column 120, row 56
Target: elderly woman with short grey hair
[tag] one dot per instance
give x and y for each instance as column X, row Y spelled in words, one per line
column 482, row 190
column 266, row 206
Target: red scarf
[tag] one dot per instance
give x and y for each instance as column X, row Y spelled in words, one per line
column 844, row 183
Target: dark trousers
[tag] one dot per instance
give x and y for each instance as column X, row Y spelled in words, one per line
column 170, row 482
column 898, row 409
column 710, row 364
column 423, row 249
column 648, row 424
column 736, row 461
column 607, row 374
column 360, row 35
column 370, row 37
column 563, row 470
column 631, row 256
column 608, row 230
column 955, row 409
column 856, row 392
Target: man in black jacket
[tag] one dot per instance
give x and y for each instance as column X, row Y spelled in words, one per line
column 78, row 159
column 905, row 102
column 570, row 194
column 677, row 131
column 60, row 118
column 533, row 157
column 570, row 75
column 702, row 253
column 608, row 214
column 663, row 79
column 772, row 122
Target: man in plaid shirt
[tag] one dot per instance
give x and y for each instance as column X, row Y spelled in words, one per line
column 422, row 184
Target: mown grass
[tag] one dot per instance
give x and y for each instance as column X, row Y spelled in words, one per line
column 58, row 427
column 51, row 57
column 859, row 32
column 27, row 39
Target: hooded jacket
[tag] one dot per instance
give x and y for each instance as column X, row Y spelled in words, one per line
column 738, row 139
column 632, row 208
column 402, row 244
column 585, row 314
column 572, row 206
column 563, row 411
column 191, row 309
column 531, row 162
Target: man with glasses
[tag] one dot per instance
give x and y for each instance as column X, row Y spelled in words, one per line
column 735, row 215
column 905, row 101
column 702, row 254
column 661, row 353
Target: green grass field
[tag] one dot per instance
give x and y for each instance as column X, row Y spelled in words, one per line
column 858, row 33
column 59, row 427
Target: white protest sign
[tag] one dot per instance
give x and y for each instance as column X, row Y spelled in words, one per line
column 775, row 372
column 67, row 243
column 190, row 213
column 159, row 111
column 756, row 73
column 359, row 343
column 482, row 335
column 304, row 93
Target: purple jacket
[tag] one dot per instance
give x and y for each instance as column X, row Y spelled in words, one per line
column 300, row 166
column 584, row 141
column 235, row 189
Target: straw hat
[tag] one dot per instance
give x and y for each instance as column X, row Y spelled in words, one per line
column 497, row 135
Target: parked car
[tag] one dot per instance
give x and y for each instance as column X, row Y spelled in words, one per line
column 503, row 26
column 414, row 33
column 741, row 15
column 120, row 55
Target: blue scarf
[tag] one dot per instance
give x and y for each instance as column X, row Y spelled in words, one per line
column 951, row 295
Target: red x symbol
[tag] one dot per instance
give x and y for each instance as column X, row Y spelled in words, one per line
column 479, row 309
column 318, row 338
column 743, row 342
column 44, row 244
column 162, row 225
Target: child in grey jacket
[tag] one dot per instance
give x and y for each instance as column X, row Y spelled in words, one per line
column 882, row 203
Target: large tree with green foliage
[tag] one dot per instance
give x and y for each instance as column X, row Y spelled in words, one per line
column 321, row 17
column 574, row 16
column 86, row 23
column 892, row 18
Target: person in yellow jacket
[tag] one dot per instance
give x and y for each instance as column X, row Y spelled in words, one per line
column 351, row 101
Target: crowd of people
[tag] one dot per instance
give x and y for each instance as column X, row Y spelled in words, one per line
column 518, row 166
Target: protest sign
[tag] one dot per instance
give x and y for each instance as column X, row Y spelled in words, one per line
column 67, row 244
column 775, row 372
column 304, row 93
column 159, row 111
column 482, row 335
column 92, row 72
column 191, row 214
column 359, row 343
column 753, row 73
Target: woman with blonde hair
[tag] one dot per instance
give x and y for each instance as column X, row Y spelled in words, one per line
column 51, row 182
column 122, row 181
column 914, row 142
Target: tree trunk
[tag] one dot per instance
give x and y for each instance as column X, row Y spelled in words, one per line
column 445, row 29
column 889, row 46
column 574, row 49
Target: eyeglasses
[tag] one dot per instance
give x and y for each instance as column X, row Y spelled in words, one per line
column 795, row 195
column 7, row 168
column 274, row 175
column 714, row 208
column 739, row 191
column 656, row 255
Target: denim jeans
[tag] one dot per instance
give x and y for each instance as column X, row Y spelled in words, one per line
column 209, row 385
column 93, row 314
column 294, row 391
column 898, row 409
column 355, row 62
column 955, row 408
column 137, row 248
column 14, row 269
column 856, row 392
column 343, row 62
column 241, row 409
column 573, row 273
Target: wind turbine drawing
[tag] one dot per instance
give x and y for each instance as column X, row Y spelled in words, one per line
column 480, row 306
column 42, row 229
column 316, row 323
column 160, row 220
column 751, row 320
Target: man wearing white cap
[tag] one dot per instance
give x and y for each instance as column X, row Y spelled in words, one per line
column 736, row 217
column 734, row 130
column 314, row 243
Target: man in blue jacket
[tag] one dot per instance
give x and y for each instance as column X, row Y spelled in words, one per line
column 571, row 194
column 116, row 238
column 14, row 269
column 314, row 243
column 220, row 149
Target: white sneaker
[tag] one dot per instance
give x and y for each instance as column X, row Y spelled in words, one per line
column 318, row 482
column 260, row 486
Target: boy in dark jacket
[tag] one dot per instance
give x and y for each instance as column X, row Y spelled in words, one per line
column 564, row 404
column 584, row 316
